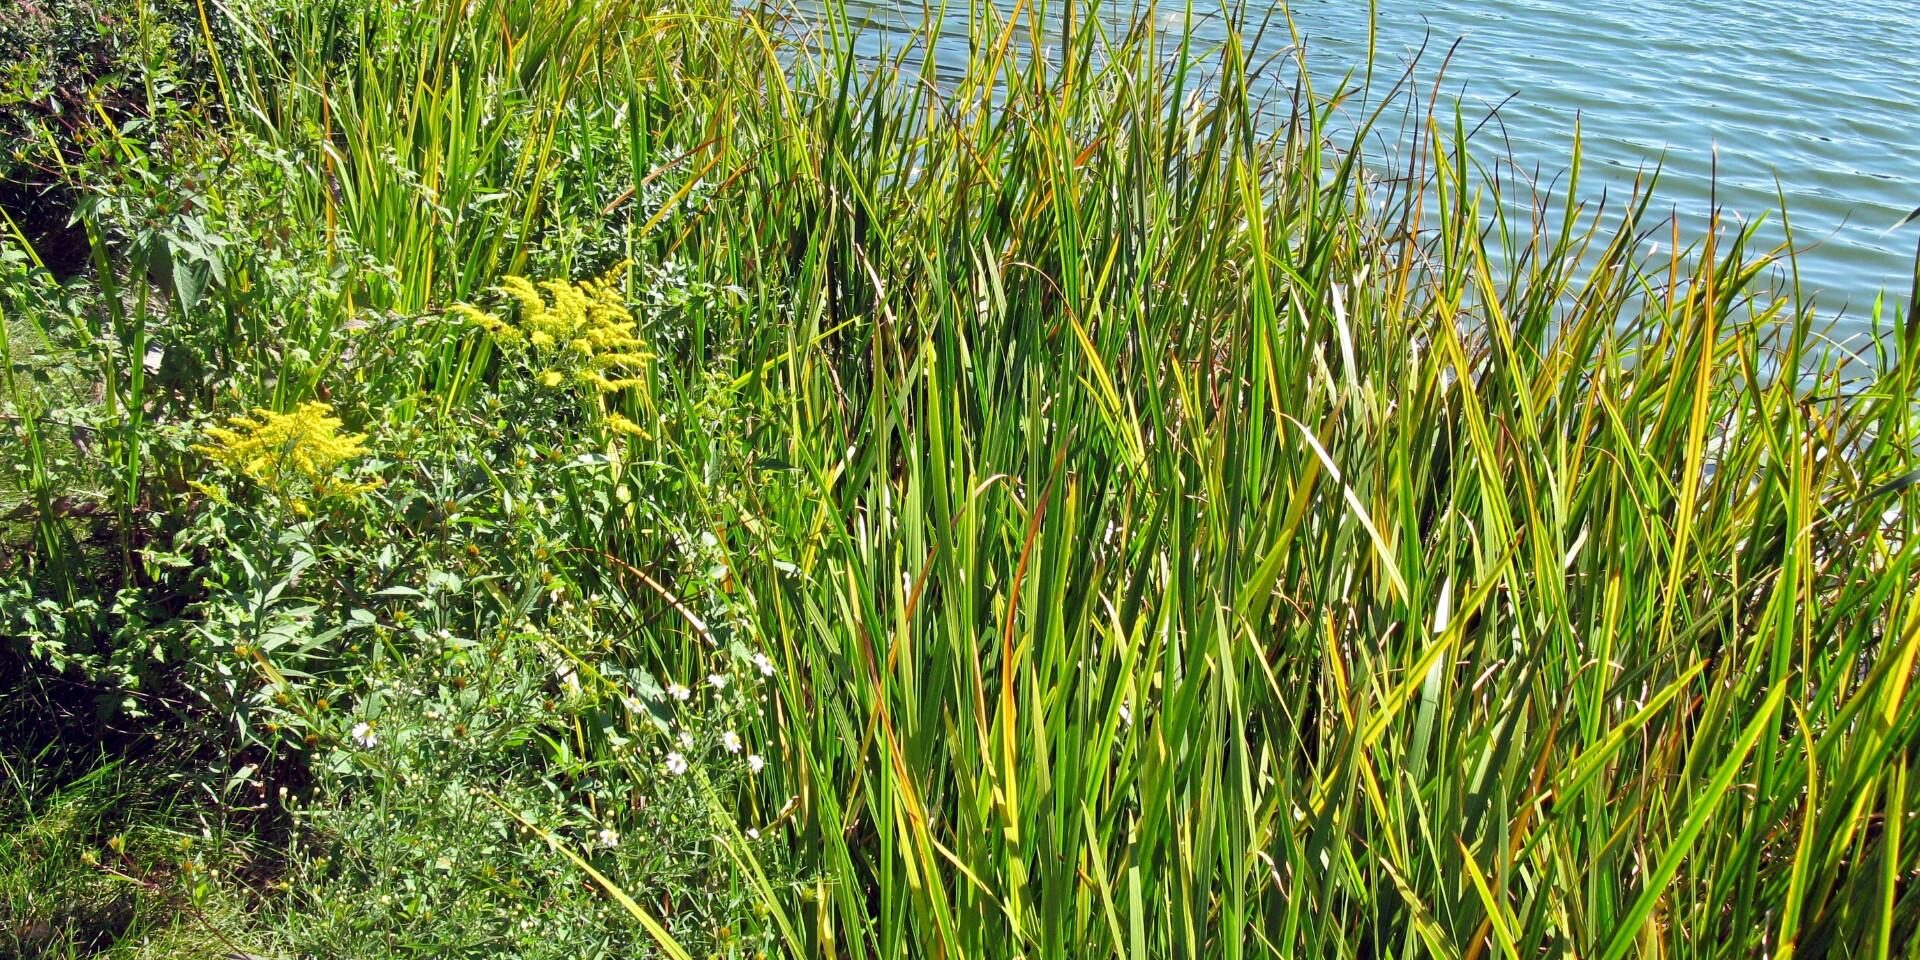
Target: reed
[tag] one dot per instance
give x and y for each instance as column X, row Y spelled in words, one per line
column 1179, row 525
column 1212, row 544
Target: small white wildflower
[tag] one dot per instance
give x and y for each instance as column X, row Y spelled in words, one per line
column 632, row 704
column 756, row 762
column 753, row 834
column 678, row 691
column 608, row 837
column 363, row 735
column 731, row 741
column 676, row 764
column 719, row 680
column 686, row 739
column 765, row 663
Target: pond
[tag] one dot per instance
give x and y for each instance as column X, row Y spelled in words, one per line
column 1817, row 103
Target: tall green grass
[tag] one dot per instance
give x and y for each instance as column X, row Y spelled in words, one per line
column 1211, row 546
column 1180, row 533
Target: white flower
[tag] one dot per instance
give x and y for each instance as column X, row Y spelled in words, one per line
column 753, row 834
column 731, row 741
column 686, row 739
column 608, row 837
column 363, row 735
column 676, row 764
column 633, row 704
column 755, row 762
column 765, row 663
column 678, row 691
column 719, row 680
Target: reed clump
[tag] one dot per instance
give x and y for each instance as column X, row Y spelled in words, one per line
column 1093, row 500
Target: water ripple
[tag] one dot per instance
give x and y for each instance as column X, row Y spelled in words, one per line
column 1816, row 102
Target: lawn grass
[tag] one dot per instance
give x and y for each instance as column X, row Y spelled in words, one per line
column 1166, row 531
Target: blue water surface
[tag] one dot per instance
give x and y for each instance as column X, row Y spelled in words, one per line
column 1738, row 102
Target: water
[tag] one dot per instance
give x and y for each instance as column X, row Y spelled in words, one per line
column 1823, row 96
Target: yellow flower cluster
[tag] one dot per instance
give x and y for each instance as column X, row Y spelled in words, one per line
column 277, row 449
column 577, row 332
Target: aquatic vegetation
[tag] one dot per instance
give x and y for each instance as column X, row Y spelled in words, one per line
column 1078, row 508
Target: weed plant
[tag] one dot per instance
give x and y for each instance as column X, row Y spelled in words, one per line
column 1073, row 507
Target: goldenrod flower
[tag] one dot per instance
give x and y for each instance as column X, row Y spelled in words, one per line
column 276, row 449
column 620, row 424
column 569, row 333
column 577, row 330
